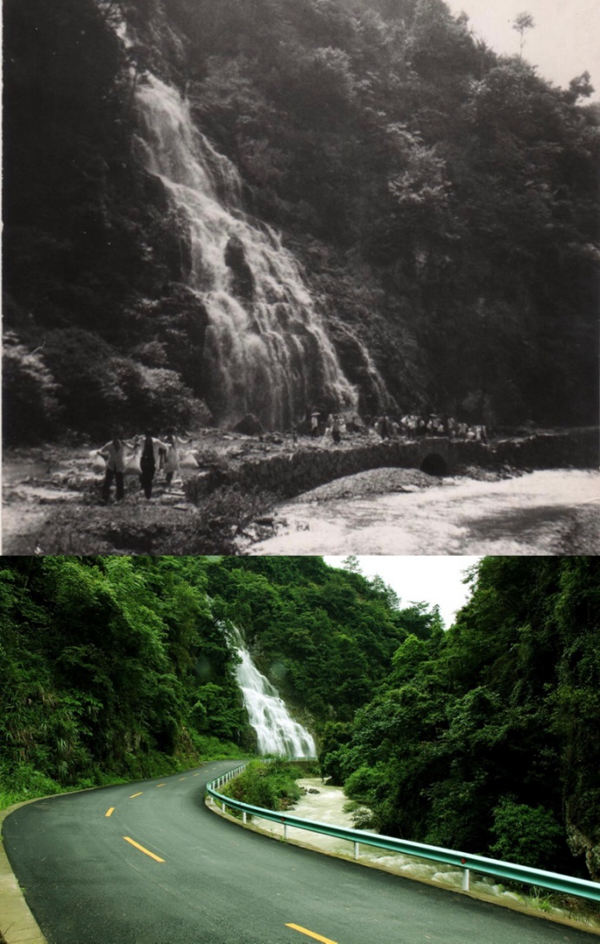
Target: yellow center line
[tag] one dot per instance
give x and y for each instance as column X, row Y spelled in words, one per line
column 110, row 811
column 317, row 937
column 182, row 778
column 196, row 774
column 142, row 849
column 134, row 795
column 160, row 785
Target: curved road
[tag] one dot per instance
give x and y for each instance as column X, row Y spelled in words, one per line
column 185, row 876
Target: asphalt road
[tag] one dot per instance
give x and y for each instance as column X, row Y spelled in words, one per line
column 194, row 878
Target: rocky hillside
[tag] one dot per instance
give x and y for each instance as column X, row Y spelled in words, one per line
column 440, row 200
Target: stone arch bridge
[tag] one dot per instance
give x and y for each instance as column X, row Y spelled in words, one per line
column 287, row 474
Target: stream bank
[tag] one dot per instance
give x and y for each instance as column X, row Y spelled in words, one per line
column 324, row 803
column 223, row 500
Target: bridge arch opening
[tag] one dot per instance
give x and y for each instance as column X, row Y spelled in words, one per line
column 434, row 464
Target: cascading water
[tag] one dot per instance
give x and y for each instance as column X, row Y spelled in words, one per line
column 266, row 349
column 276, row 732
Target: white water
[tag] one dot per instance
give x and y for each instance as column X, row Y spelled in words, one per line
column 267, row 354
column 276, row 732
column 553, row 511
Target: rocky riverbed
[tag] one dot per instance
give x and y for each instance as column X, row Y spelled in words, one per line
column 551, row 511
column 325, row 803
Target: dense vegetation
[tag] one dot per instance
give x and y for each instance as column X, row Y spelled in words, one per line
column 270, row 785
column 443, row 199
column 484, row 738
column 116, row 666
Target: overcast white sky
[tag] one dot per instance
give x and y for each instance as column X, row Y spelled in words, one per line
column 564, row 42
column 421, row 579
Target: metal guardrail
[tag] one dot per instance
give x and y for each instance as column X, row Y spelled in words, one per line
column 553, row 881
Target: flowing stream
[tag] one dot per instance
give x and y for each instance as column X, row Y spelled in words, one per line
column 266, row 348
column 554, row 511
column 276, row 732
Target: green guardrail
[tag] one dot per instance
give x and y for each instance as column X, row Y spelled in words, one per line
column 553, row 881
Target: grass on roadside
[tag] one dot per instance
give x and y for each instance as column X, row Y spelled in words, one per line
column 24, row 782
column 270, row 784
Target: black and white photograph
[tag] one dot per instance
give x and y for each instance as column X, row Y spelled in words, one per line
column 301, row 277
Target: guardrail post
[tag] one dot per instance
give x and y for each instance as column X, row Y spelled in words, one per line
column 223, row 807
column 285, row 831
column 466, row 882
column 244, row 817
column 356, row 850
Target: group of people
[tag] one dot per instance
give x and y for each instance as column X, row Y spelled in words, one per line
column 326, row 424
column 145, row 455
column 441, row 425
column 433, row 424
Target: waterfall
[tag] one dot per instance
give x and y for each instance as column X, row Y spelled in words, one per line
column 266, row 348
column 276, row 732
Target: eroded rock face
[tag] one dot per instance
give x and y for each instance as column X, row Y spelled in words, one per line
column 580, row 844
column 249, row 425
column 241, row 274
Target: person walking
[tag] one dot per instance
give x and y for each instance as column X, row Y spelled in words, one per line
column 149, row 461
column 114, row 453
column 336, row 430
column 315, row 419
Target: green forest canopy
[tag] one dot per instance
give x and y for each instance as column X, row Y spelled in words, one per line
column 481, row 737
column 443, row 199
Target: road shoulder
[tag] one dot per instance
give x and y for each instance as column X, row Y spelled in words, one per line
column 17, row 924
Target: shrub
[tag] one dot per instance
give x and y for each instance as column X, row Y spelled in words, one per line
column 525, row 834
column 362, row 784
column 270, row 785
column 29, row 399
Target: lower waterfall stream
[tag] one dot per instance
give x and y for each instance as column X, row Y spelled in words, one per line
column 276, row 731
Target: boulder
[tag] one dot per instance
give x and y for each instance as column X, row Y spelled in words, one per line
column 242, row 279
column 249, row 425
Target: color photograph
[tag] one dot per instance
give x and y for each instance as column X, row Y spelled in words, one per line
column 274, row 749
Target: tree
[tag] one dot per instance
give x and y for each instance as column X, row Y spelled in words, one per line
column 29, row 402
column 522, row 23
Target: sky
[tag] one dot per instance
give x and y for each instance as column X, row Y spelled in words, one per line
column 421, row 579
column 564, row 42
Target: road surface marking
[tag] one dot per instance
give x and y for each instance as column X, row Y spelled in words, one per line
column 196, row 774
column 160, row 785
column 317, row 937
column 182, row 778
column 110, row 811
column 142, row 849
column 134, row 795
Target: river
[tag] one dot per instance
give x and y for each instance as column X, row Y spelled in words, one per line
column 543, row 512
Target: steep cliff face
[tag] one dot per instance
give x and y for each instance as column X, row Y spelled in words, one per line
column 215, row 209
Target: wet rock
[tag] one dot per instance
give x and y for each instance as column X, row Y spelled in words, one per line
column 241, row 274
column 250, row 425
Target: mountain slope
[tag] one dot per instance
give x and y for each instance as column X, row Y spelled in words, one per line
column 441, row 200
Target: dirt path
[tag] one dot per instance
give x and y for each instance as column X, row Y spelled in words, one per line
column 51, row 499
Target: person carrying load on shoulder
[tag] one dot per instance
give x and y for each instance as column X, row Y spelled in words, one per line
column 171, row 459
column 149, row 461
column 336, row 429
column 315, row 420
column 115, row 454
